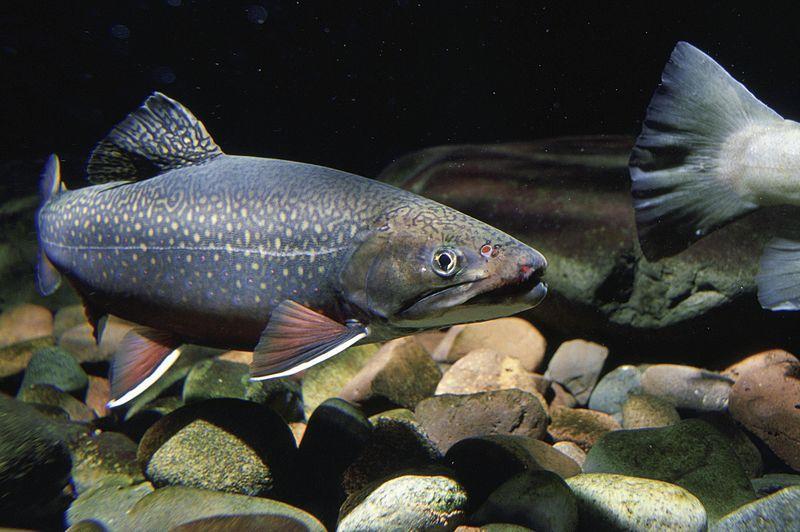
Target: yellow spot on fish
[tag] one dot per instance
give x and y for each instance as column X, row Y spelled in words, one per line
column 286, row 272
column 238, row 267
column 321, row 269
column 255, row 266
column 317, row 228
column 258, row 298
column 288, row 232
column 263, row 286
column 277, row 243
column 299, row 270
column 244, row 212
column 214, row 219
column 137, row 226
column 196, row 238
column 135, row 257
column 143, row 246
column 189, row 258
column 174, row 226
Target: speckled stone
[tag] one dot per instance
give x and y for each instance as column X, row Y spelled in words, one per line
column 765, row 400
column 645, row 411
column 245, row 523
column 513, row 337
column 15, row 357
column 576, row 365
column 484, row 370
column 107, row 505
column 421, row 501
column 57, row 368
column 769, row 484
column 688, row 387
column 539, row 500
column 213, row 378
column 401, row 372
column 613, row 389
column 571, row 450
column 450, row 418
column 691, row 454
column 172, row 506
column 199, row 445
column 617, row 502
column 67, row 318
column 773, row 513
column 46, row 394
column 580, row 426
column 327, row 379
column 104, row 458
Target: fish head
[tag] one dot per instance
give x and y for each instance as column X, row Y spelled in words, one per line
column 431, row 266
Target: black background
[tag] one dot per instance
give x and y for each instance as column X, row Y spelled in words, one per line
column 355, row 85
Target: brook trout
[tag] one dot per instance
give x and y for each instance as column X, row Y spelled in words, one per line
column 294, row 261
column 711, row 152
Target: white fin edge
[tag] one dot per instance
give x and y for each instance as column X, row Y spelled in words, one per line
column 314, row 361
column 148, row 381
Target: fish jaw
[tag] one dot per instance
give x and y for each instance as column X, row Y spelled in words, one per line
column 518, row 288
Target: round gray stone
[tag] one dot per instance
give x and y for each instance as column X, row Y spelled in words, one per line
column 613, row 389
column 58, row 368
column 773, row 513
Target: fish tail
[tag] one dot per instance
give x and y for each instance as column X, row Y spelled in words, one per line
column 683, row 177
column 47, row 277
column 778, row 276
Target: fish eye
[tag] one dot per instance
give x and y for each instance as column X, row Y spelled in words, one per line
column 445, row 262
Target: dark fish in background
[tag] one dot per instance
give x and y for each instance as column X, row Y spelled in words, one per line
column 710, row 152
column 294, row 261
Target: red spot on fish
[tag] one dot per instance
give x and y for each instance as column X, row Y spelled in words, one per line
column 486, row 251
column 525, row 269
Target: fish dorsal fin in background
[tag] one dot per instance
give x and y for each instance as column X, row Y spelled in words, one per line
column 158, row 136
column 297, row 338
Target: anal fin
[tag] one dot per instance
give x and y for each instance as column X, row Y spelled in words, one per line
column 778, row 276
column 297, row 338
column 142, row 357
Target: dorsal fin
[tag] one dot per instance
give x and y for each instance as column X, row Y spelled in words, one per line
column 158, row 136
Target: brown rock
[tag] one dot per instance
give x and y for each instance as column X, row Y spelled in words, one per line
column 759, row 361
column 576, row 365
column 512, row 337
column 429, row 340
column 298, row 429
column 240, row 357
column 580, row 426
column 562, row 397
column 646, row 411
column 401, row 371
column 485, row 370
column 25, row 322
column 98, row 395
column 67, row 318
column 450, row 418
column 571, row 450
column 766, row 400
column 14, row 358
column 79, row 340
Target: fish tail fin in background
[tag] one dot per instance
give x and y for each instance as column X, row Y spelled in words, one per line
column 47, row 277
column 778, row 276
column 681, row 178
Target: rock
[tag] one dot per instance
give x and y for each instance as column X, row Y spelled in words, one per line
column 512, row 337
column 450, row 418
column 336, row 434
column 241, row 357
column 102, row 459
column 570, row 199
column 421, row 501
column 777, row 512
column 482, row 464
column 758, row 362
column 214, row 378
column 769, row 484
column 576, row 365
column 46, row 394
column 172, row 506
column 613, row 389
column 617, row 502
column 766, row 399
column 57, row 368
column 539, row 500
column 199, row 445
column 580, row 426
column 749, row 456
column 691, row 454
column 107, row 505
column 34, row 465
column 67, row 318
column 137, row 424
column 14, row 358
column 97, row 395
column 79, row 340
column 571, row 450
column 561, row 397
column 190, row 355
column 244, row 523
column 687, row 387
column 327, row 379
column 397, row 442
column 401, row 372
column 298, row 429
column 87, row 526
column 430, row 340
column 23, row 323
column 644, row 411
column 485, row 370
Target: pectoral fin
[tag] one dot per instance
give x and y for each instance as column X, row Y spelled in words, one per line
column 142, row 357
column 297, row 338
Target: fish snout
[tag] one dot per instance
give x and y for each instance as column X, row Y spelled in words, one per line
column 532, row 266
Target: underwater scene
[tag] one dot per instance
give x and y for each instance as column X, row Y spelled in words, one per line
column 399, row 265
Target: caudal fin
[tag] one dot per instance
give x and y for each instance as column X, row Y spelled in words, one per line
column 778, row 277
column 681, row 190
column 47, row 277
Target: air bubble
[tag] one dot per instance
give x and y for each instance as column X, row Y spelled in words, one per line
column 256, row 14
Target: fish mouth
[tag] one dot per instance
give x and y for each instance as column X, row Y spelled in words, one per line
column 470, row 300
